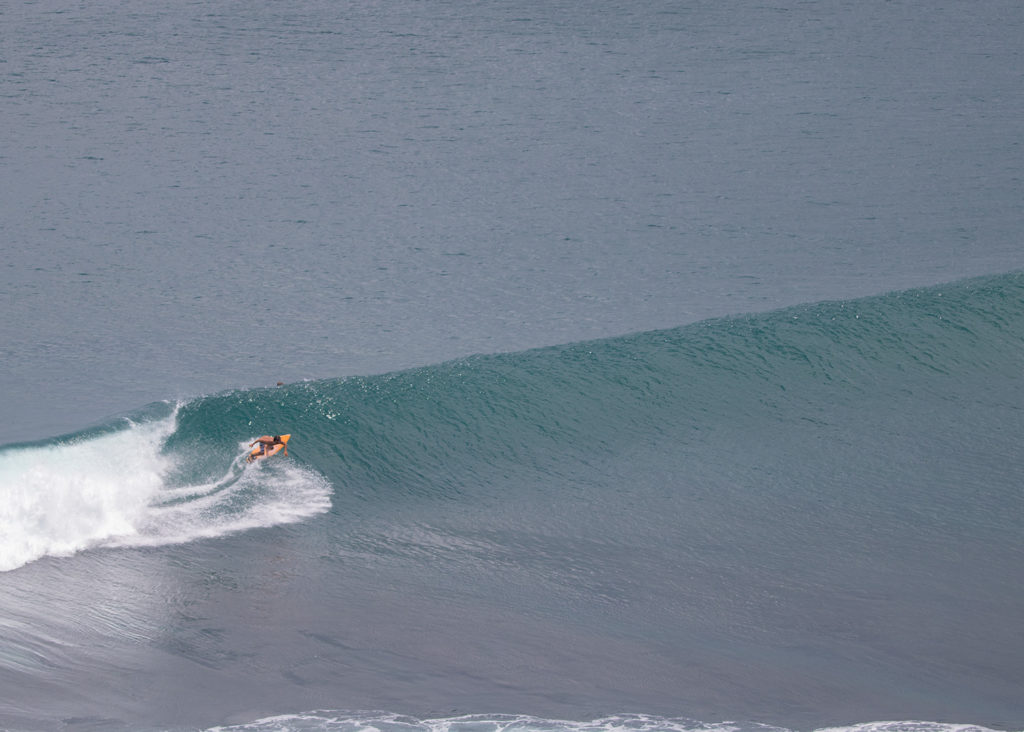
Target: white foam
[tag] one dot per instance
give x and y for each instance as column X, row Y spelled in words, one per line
column 111, row 490
column 246, row 497
column 341, row 721
column 59, row 499
column 908, row 726
column 331, row 721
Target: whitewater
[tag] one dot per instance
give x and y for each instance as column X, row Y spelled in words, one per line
column 116, row 487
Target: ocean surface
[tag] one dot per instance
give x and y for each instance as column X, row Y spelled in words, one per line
column 650, row 366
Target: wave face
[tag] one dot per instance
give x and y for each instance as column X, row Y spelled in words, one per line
column 441, row 428
column 173, row 473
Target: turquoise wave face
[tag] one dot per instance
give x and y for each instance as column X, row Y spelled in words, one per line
column 439, row 427
column 839, row 375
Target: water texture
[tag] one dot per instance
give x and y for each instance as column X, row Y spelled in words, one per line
column 650, row 366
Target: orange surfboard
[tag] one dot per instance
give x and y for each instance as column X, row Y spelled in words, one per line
column 257, row 454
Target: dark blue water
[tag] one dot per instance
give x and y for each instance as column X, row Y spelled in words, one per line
column 648, row 366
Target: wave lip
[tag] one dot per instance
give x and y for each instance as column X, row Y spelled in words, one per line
column 114, row 490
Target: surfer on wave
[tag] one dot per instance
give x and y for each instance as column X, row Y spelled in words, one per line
column 268, row 441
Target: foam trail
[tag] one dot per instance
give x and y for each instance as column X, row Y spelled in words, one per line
column 61, row 498
column 246, row 497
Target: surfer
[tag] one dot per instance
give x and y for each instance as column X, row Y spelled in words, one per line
column 267, row 442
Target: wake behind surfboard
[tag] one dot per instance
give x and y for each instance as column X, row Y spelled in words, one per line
column 258, row 453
